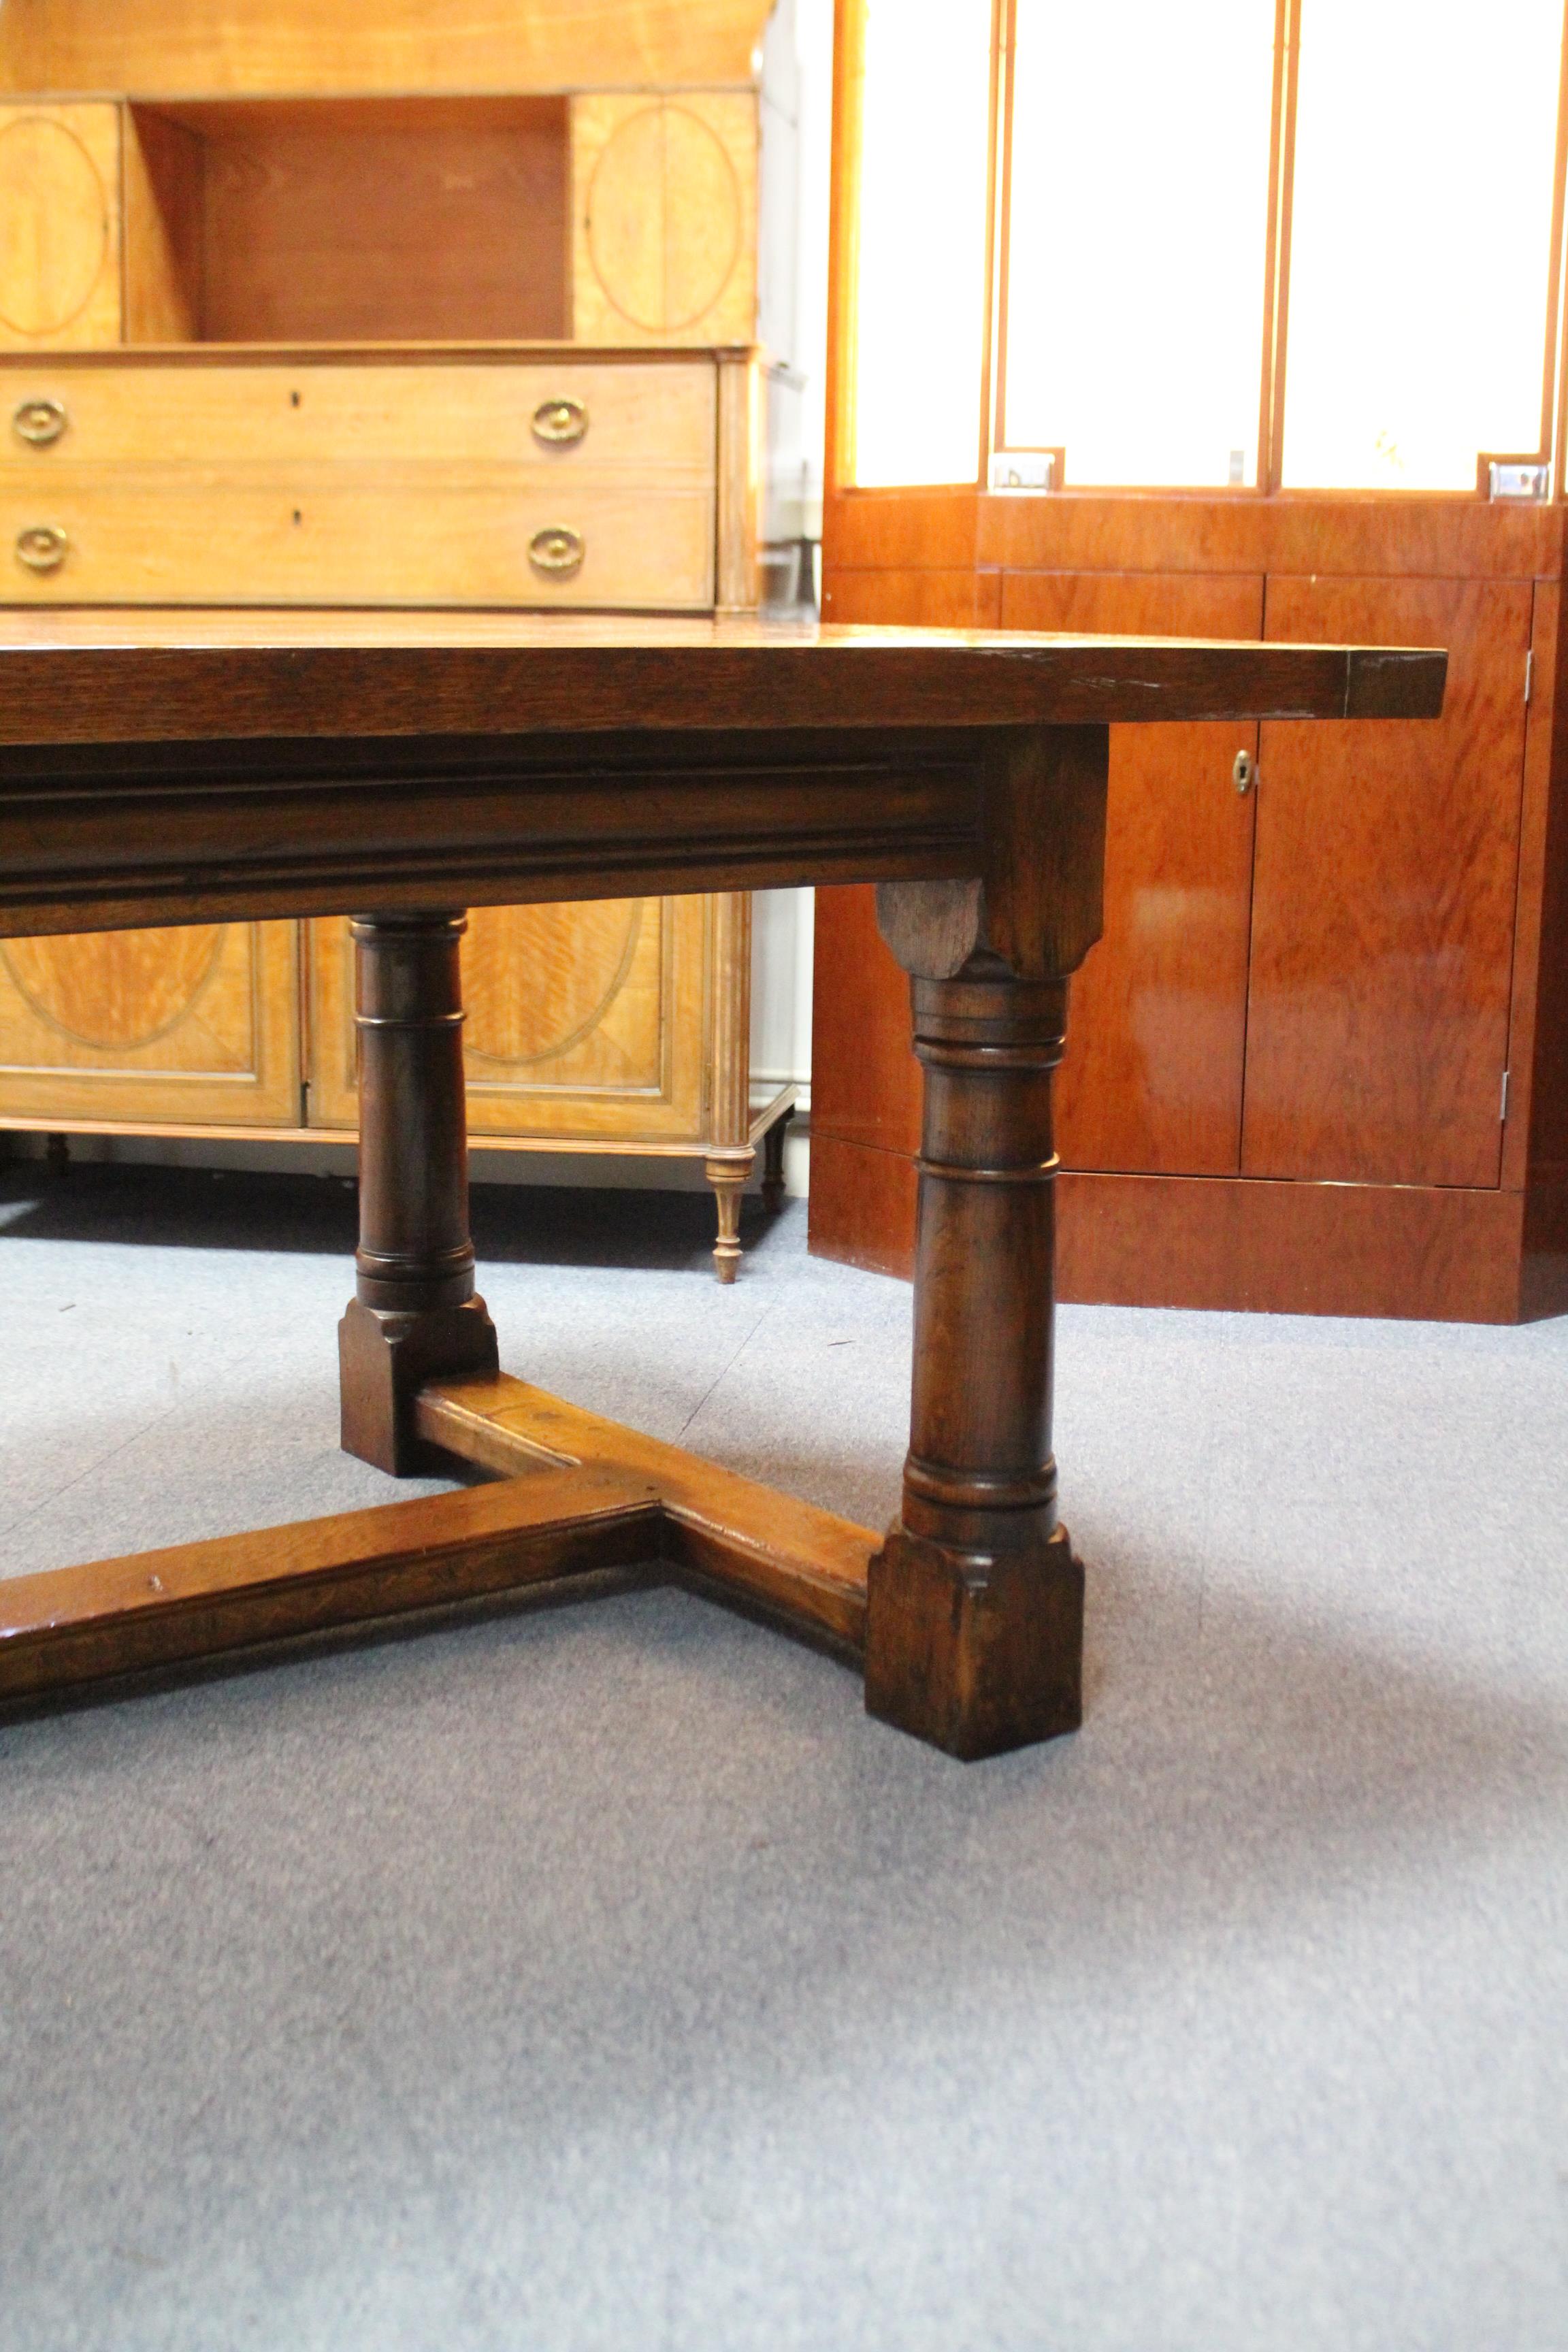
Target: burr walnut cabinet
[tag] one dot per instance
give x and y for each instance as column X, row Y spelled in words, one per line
column 414, row 304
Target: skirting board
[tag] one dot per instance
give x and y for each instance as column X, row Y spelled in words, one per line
column 1432, row 1252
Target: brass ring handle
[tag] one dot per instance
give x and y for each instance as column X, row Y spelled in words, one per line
column 44, row 548
column 38, row 421
column 559, row 423
column 556, row 549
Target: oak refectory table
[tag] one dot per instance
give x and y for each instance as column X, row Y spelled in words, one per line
column 165, row 768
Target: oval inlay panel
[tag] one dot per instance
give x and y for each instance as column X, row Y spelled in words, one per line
column 537, row 980
column 664, row 219
column 114, row 990
column 54, row 225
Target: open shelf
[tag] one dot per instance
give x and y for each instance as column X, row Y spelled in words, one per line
column 331, row 220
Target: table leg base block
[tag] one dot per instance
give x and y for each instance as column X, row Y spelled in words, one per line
column 978, row 1656
column 385, row 1360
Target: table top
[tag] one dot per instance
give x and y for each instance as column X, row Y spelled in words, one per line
column 99, row 676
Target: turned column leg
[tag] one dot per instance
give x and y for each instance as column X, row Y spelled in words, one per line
column 975, row 1630
column 729, row 1173
column 414, row 1314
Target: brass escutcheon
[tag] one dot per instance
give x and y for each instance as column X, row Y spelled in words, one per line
column 38, row 421
column 559, row 423
column 556, row 549
column 44, row 548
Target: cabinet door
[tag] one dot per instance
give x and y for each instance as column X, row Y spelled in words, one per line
column 1383, row 920
column 1157, row 1029
column 588, row 1021
column 60, row 225
column 664, row 202
column 193, row 1027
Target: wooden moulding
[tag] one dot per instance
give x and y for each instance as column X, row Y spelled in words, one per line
column 576, row 1496
column 189, row 48
column 1425, row 1252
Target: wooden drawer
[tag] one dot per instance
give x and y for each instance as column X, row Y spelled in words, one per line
column 421, row 535
column 656, row 421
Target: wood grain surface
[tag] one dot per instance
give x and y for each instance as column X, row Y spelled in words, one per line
column 341, row 218
column 60, row 225
column 194, row 1025
column 801, row 1563
column 70, row 1627
column 191, row 48
column 1157, row 1030
column 150, row 676
column 1384, row 904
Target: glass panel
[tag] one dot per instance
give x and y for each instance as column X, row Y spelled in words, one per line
column 1420, row 240
column 1139, row 237
column 920, row 280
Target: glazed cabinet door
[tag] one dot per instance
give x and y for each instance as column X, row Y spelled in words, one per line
column 1384, row 913
column 584, row 1021
column 194, row 1027
column 1152, row 1080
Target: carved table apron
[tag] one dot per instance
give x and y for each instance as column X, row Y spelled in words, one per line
column 168, row 768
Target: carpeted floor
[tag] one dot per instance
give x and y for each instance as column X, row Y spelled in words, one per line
column 602, row 1978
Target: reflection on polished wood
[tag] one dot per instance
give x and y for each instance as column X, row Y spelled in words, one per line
column 1384, row 910
column 1448, row 945
column 1152, row 1075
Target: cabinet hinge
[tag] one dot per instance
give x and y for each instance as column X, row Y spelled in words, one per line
column 304, row 1102
column 1529, row 672
column 1502, row 1103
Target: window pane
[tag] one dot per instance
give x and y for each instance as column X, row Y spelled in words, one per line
column 920, row 280
column 1419, row 241
column 1139, row 237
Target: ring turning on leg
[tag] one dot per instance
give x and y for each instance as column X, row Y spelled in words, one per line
column 414, row 1315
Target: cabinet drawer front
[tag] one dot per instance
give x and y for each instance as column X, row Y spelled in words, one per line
column 354, row 536
column 566, row 422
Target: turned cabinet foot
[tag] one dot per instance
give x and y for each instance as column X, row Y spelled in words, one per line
column 976, row 1655
column 728, row 1177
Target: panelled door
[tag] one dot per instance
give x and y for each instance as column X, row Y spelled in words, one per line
column 584, row 1021
column 1151, row 1081
column 1384, row 904
column 196, row 1027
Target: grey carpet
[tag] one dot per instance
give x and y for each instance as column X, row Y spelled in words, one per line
column 604, row 1977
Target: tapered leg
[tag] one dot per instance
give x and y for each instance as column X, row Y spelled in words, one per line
column 974, row 1626
column 415, row 1316
column 728, row 1174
